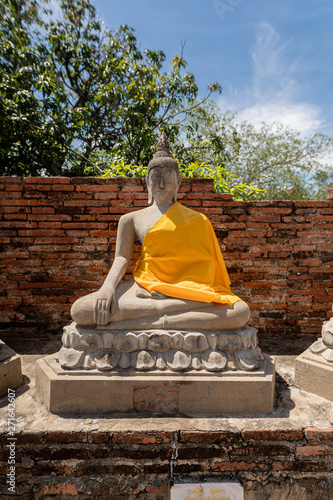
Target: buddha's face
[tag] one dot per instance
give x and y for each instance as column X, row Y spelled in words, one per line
column 163, row 184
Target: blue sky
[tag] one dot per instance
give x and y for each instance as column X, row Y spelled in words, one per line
column 273, row 59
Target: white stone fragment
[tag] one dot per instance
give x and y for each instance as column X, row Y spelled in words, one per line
column 318, row 347
column 70, row 358
column 90, row 342
column 229, row 342
column 195, row 342
column 177, row 339
column 214, row 360
column 108, row 339
column 196, row 362
column 328, row 355
column 248, row 359
column 107, row 359
column 143, row 360
column 249, row 337
column 160, row 361
column 327, row 334
column 125, row 361
column 126, row 342
column 178, row 360
column 160, row 342
column 89, row 361
column 212, row 340
column 143, row 339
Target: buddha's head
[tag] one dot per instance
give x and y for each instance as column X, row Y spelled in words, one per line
column 163, row 179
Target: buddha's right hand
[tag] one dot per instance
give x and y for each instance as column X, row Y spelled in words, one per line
column 105, row 301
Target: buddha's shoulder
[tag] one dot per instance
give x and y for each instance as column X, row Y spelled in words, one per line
column 190, row 213
column 135, row 215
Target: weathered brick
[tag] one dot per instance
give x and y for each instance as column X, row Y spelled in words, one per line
column 314, row 434
column 65, row 437
column 272, row 435
column 238, row 466
column 208, row 437
column 60, row 489
column 142, row 437
column 313, row 450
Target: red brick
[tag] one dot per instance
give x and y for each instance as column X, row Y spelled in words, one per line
column 157, row 489
column 60, row 489
column 311, row 451
column 13, row 187
column 142, row 437
column 270, row 210
column 62, row 187
column 38, row 187
column 273, row 435
column 65, row 437
column 29, row 438
column 314, row 434
column 97, row 188
column 47, row 180
column 235, row 466
column 208, row 437
column 14, row 180
column 302, row 466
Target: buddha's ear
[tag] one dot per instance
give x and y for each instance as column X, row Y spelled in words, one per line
column 178, row 184
column 150, row 196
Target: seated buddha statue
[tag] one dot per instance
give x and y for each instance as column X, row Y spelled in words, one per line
column 180, row 280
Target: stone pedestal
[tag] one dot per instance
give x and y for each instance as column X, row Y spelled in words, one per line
column 100, row 370
column 314, row 374
column 233, row 392
column 314, row 368
column 10, row 369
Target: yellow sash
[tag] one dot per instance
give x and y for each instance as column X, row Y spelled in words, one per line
column 181, row 258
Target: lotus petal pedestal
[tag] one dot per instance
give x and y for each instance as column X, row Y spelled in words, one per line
column 157, row 372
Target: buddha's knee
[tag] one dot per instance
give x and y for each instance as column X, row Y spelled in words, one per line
column 241, row 312
column 82, row 311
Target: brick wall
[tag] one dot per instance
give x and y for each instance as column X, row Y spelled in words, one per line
column 58, row 236
column 295, row 463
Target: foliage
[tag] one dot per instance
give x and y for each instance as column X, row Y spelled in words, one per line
column 273, row 158
column 19, row 105
column 223, row 181
column 79, row 99
column 71, row 89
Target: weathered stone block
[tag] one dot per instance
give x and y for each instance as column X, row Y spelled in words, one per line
column 127, row 342
column 160, row 342
column 195, row 342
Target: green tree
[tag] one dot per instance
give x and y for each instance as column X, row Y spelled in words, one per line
column 276, row 159
column 78, row 92
column 19, row 105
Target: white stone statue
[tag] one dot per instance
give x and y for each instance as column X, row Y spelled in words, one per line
column 177, row 311
column 126, row 304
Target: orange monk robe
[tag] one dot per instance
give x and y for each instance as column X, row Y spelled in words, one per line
column 181, row 258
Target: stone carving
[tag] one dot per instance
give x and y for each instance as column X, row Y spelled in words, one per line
column 324, row 346
column 177, row 312
column 159, row 349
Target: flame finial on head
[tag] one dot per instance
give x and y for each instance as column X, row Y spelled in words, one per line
column 163, row 156
column 163, row 144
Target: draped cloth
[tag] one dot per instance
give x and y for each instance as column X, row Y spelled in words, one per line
column 181, row 258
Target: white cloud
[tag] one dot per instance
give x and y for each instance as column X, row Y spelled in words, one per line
column 274, row 93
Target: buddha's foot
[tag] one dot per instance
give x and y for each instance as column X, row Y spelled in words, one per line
column 177, row 351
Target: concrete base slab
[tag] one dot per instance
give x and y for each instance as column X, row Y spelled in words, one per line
column 191, row 393
column 10, row 369
column 314, row 374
